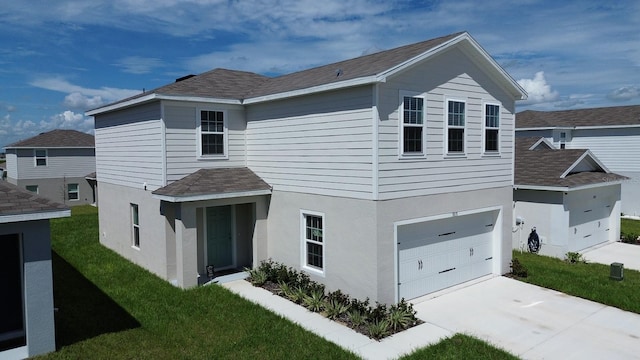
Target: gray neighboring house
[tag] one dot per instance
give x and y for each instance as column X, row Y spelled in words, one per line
column 610, row 133
column 26, row 315
column 55, row 165
column 387, row 176
column 568, row 195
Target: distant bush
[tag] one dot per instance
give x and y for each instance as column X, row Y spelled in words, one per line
column 518, row 269
column 574, row 258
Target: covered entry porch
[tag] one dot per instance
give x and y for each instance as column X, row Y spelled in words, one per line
column 216, row 224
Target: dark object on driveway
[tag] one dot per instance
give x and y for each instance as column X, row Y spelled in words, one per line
column 534, row 241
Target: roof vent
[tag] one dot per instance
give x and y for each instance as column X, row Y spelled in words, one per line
column 184, row 77
column 338, row 72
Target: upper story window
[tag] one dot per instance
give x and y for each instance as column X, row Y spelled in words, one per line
column 455, row 126
column 213, row 133
column 40, row 156
column 491, row 128
column 412, row 135
column 563, row 140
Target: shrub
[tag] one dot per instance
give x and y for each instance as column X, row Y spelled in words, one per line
column 401, row 316
column 257, row 276
column 315, row 300
column 356, row 317
column 334, row 308
column 629, row 238
column 518, row 269
column 574, row 258
column 378, row 329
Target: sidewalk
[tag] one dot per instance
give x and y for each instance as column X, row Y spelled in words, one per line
column 391, row 347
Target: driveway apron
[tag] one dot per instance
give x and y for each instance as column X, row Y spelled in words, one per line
column 533, row 322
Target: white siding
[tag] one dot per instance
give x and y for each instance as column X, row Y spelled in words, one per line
column 618, row 149
column 182, row 139
column 60, row 163
column 129, row 147
column 319, row 144
column 12, row 164
column 449, row 76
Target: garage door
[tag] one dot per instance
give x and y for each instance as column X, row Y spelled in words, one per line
column 437, row 254
column 589, row 226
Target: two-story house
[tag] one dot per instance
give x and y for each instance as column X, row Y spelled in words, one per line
column 26, row 316
column 610, row 133
column 387, row 176
column 54, row 165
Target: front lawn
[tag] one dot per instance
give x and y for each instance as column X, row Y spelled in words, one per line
column 109, row 308
column 586, row 280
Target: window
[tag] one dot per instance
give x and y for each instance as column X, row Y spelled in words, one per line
column 32, row 188
column 212, row 133
column 313, row 241
column 563, row 139
column 40, row 157
column 491, row 127
column 455, row 126
column 135, row 221
column 73, row 192
column 412, row 125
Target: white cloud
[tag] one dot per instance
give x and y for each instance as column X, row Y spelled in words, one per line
column 538, row 89
column 78, row 101
column 80, row 97
column 139, row 64
column 624, row 93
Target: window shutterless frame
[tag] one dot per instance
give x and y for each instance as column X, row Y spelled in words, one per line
column 412, row 125
column 73, row 192
column 212, row 132
column 455, row 124
column 491, row 129
column 135, row 226
column 40, row 157
column 313, row 242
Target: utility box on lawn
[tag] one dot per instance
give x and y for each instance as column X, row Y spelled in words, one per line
column 617, row 271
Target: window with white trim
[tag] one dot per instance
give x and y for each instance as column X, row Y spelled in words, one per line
column 455, row 126
column 135, row 226
column 212, row 132
column 40, row 157
column 32, row 188
column 491, row 128
column 563, row 139
column 73, row 192
column 313, row 245
column 412, row 133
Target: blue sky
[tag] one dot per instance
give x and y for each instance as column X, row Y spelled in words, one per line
column 60, row 58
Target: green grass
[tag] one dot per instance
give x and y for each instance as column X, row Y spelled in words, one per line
column 629, row 226
column 589, row 281
column 460, row 346
column 109, row 308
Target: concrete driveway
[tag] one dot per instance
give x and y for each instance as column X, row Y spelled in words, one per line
column 627, row 254
column 533, row 322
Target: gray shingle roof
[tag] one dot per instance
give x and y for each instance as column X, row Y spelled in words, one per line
column 240, row 85
column 215, row 181
column 544, row 167
column 604, row 116
column 57, row 139
column 17, row 201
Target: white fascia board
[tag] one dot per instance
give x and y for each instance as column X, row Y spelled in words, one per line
column 50, row 147
column 542, row 140
column 34, row 216
column 589, row 154
column 181, row 199
column 565, row 188
column 595, row 127
column 543, row 128
column 314, row 89
column 154, row 96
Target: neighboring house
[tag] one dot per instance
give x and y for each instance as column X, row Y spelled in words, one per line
column 567, row 195
column 388, row 176
column 611, row 133
column 54, row 164
column 26, row 315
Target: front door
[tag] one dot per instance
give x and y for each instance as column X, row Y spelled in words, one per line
column 219, row 237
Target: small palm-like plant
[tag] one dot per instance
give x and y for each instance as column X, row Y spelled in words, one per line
column 315, row 300
column 257, row 276
column 334, row 308
column 298, row 295
column 356, row 317
column 285, row 290
column 378, row 329
column 400, row 317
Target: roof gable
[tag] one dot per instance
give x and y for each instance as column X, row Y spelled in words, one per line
column 245, row 87
column 542, row 167
column 594, row 117
column 58, row 138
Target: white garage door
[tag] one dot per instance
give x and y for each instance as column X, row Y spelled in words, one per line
column 437, row 254
column 589, row 226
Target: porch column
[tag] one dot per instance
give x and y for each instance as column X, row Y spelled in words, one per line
column 186, row 246
column 260, row 245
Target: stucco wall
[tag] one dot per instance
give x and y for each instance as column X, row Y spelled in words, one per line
column 56, row 189
column 38, row 287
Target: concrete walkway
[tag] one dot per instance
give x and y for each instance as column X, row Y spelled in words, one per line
column 526, row 320
column 627, row 254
